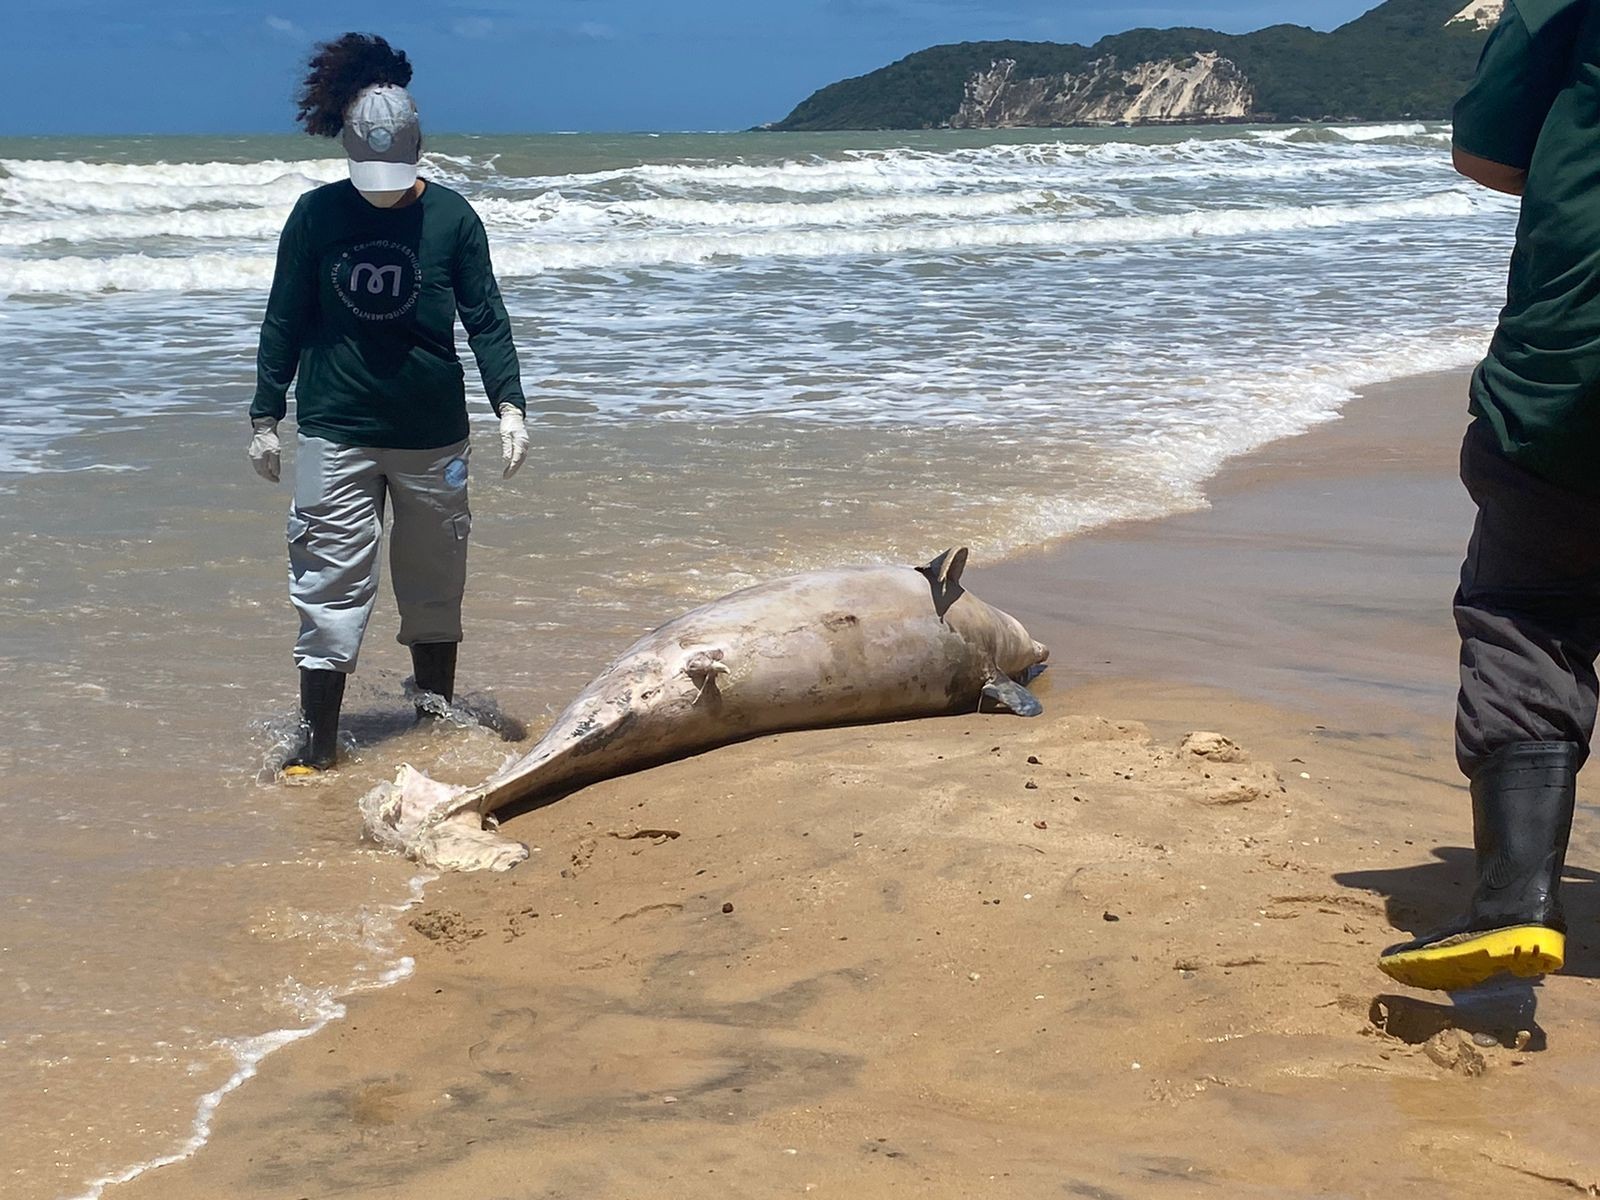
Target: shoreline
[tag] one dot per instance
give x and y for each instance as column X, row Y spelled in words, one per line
column 1014, row 589
column 1275, row 562
column 1300, row 615
column 898, row 343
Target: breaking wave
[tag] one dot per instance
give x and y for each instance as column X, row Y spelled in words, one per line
column 194, row 174
column 228, row 271
column 249, row 224
column 48, row 198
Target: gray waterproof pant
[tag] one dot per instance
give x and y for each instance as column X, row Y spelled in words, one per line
column 1528, row 609
column 336, row 532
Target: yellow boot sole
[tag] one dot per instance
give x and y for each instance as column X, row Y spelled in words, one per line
column 301, row 773
column 1526, row 951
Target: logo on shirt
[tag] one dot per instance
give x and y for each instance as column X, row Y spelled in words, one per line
column 378, row 280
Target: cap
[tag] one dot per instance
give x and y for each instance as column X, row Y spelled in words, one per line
column 383, row 138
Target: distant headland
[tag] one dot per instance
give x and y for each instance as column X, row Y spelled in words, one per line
column 1405, row 59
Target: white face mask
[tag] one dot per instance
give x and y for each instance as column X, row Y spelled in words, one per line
column 383, row 199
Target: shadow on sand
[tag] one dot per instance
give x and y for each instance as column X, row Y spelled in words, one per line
column 1426, row 895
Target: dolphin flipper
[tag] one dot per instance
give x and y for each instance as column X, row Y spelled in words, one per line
column 1012, row 697
column 705, row 665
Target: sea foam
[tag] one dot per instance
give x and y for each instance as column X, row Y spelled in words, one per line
column 208, row 272
column 320, row 1008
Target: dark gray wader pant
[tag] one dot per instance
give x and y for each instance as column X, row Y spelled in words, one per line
column 336, row 535
column 1528, row 609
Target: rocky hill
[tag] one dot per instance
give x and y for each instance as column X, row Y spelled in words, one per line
column 1404, row 59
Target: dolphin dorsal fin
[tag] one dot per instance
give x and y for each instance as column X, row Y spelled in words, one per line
column 944, row 574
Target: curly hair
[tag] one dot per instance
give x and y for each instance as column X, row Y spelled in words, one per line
column 340, row 69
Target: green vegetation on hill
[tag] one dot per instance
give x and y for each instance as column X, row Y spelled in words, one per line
column 1401, row 60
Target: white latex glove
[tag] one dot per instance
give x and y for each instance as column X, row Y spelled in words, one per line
column 266, row 454
column 513, row 439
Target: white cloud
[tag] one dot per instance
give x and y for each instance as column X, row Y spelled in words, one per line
column 596, row 31
column 284, row 26
column 472, row 27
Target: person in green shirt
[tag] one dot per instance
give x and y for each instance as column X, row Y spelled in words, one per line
column 371, row 275
column 1528, row 609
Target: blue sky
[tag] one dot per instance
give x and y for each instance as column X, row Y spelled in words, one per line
column 172, row 66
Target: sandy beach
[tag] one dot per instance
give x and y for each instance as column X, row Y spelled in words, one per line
column 747, row 355
column 1089, row 955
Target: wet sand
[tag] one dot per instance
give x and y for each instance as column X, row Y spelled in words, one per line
column 1079, row 956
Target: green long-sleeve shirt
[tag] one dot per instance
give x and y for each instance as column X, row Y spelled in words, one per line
column 1535, row 106
column 363, row 307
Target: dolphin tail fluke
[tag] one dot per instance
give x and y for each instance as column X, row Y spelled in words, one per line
column 945, row 571
column 435, row 825
column 944, row 577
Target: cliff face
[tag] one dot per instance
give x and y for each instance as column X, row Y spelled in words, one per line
column 1197, row 87
column 1480, row 14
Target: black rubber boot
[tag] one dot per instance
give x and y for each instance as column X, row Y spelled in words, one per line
column 321, row 695
column 1522, row 801
column 433, row 665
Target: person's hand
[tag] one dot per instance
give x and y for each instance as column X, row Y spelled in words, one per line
column 513, row 439
column 266, row 455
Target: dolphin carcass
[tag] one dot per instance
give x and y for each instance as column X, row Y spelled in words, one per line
column 845, row 646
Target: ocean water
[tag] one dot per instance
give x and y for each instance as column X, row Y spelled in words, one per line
column 745, row 354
